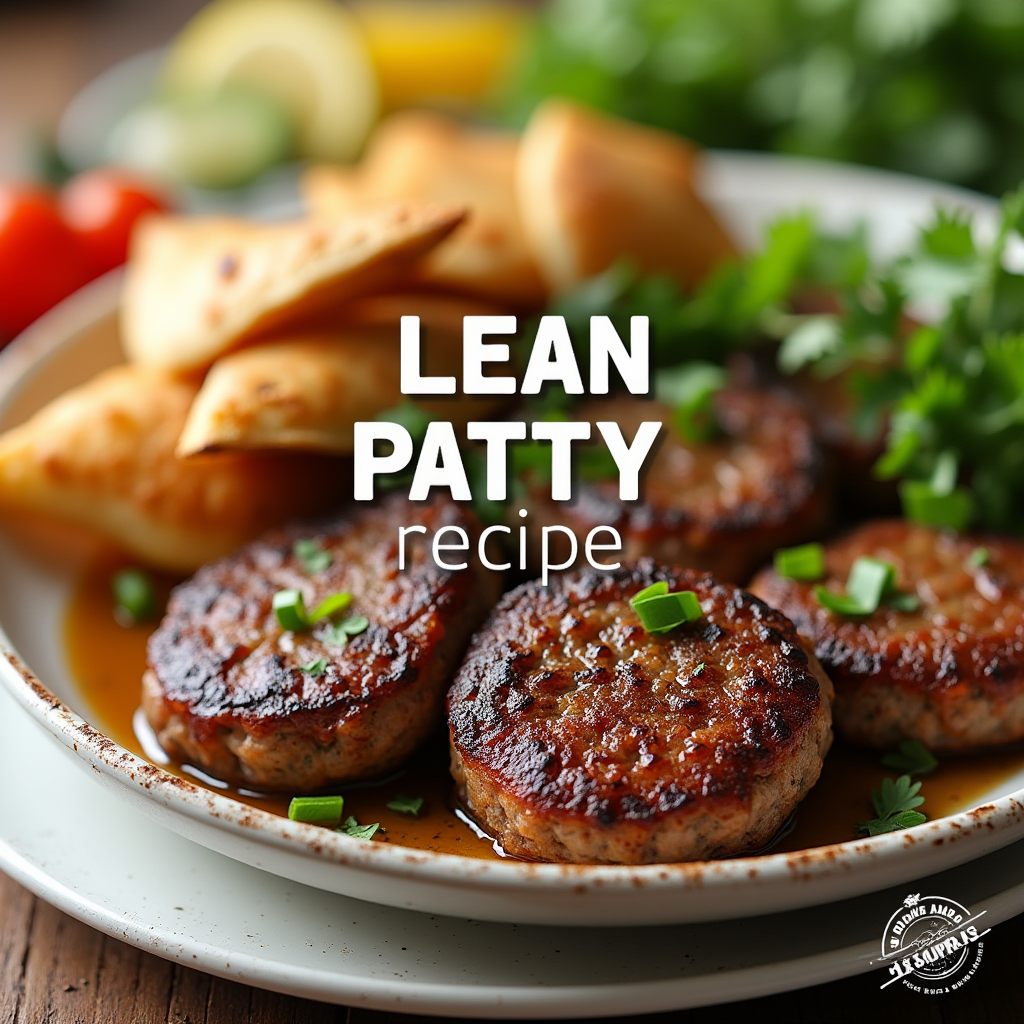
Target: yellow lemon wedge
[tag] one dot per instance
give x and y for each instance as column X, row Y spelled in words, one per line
column 442, row 50
column 307, row 55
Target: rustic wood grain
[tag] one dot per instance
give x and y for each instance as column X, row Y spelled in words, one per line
column 55, row 970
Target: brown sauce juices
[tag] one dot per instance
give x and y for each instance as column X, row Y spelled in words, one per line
column 107, row 661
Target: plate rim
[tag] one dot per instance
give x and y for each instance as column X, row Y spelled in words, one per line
column 174, row 940
column 972, row 832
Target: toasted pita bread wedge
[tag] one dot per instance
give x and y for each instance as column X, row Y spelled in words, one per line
column 102, row 456
column 307, row 392
column 593, row 189
column 429, row 158
column 199, row 287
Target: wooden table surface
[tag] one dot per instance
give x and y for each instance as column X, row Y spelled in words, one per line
column 55, row 969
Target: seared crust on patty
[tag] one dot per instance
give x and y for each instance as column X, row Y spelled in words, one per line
column 225, row 690
column 950, row 674
column 578, row 736
column 723, row 505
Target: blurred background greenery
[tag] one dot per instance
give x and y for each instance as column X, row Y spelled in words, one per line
column 930, row 87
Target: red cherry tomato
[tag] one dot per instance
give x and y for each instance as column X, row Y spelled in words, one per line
column 101, row 207
column 41, row 260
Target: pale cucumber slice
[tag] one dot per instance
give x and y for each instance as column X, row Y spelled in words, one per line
column 217, row 142
column 307, row 54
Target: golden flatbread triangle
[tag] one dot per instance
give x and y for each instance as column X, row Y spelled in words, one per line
column 199, row 287
column 593, row 189
column 102, row 456
column 426, row 157
column 306, row 392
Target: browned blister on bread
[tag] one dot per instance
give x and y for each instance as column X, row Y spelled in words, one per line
column 198, row 287
column 427, row 157
column 578, row 736
column 307, row 392
column 102, row 456
column 594, row 190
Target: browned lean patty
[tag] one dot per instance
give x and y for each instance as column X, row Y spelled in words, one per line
column 722, row 506
column 578, row 736
column 225, row 690
column 950, row 674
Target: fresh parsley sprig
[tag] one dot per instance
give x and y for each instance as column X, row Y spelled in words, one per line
column 952, row 390
column 312, row 555
column 894, row 805
column 912, row 758
column 352, row 828
column 406, row 805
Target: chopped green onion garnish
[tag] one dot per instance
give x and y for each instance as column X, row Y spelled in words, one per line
column 338, row 635
column 654, row 590
column 135, row 596
column 312, row 556
column 699, row 670
column 839, row 603
column 662, row 611
column 318, row 810
column 357, row 831
column 806, row 562
column 330, row 606
column 980, row 557
column 406, row 805
column 921, row 504
column 314, row 668
column 871, row 581
column 290, row 609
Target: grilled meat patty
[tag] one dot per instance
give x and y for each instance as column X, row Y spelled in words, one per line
column 722, row 505
column 950, row 674
column 226, row 689
column 578, row 736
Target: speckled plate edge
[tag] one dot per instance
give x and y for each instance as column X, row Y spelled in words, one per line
column 216, row 943
column 502, row 890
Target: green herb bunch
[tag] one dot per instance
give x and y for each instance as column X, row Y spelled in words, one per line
column 931, row 87
column 951, row 390
column 948, row 396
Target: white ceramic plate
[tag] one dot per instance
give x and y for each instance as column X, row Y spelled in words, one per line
column 111, row 867
column 79, row 338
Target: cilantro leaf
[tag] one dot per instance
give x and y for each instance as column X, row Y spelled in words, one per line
column 894, row 823
column 351, row 827
column 949, row 236
column 314, row 668
column 912, row 758
column 979, row 557
column 896, row 795
column 812, row 339
column 689, row 390
column 894, row 805
column 312, row 555
column 337, row 636
column 406, row 805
